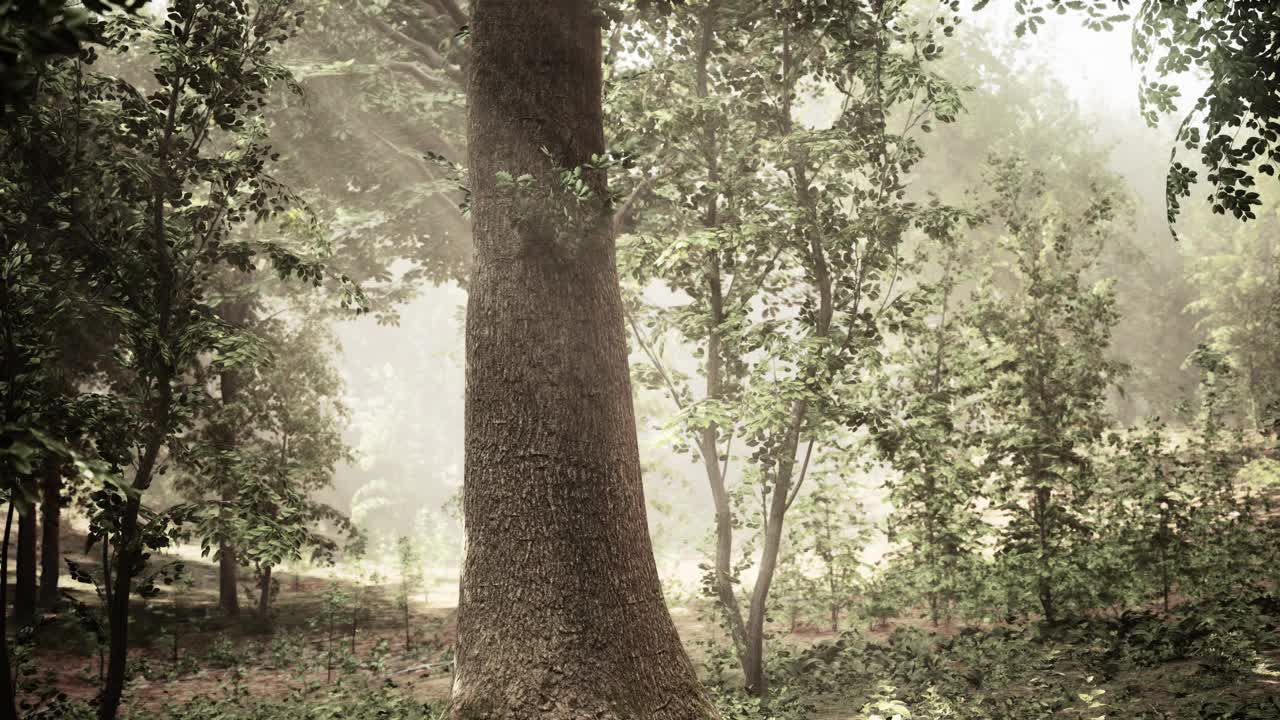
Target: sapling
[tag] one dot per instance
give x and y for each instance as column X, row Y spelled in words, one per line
column 334, row 600
column 411, row 580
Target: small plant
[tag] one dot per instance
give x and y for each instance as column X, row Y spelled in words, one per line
column 411, row 582
column 286, row 650
column 1226, row 655
column 222, row 653
column 335, row 601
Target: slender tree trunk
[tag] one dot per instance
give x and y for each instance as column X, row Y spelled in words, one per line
column 709, row 437
column 128, row 557
column 24, row 590
column 561, row 614
column 51, row 538
column 782, row 493
column 756, row 681
column 128, row 560
column 237, row 314
column 1044, row 580
column 8, row 699
column 408, row 631
column 264, row 592
column 228, row 579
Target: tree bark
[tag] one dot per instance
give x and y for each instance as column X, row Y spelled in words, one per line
column 561, row 614
column 236, row 314
column 8, row 697
column 51, row 538
column 228, row 578
column 24, row 589
column 1044, row 579
column 128, row 559
column 264, row 592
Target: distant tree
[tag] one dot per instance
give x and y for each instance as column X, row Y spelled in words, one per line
column 1144, row 512
column 831, row 531
column 1237, row 274
column 411, row 582
column 290, row 421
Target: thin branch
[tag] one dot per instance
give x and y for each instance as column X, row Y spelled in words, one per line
column 426, row 51
column 451, row 8
column 724, row 470
column 804, row 469
column 620, row 214
column 653, row 359
column 416, row 70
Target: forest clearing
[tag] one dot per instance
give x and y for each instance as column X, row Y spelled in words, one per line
column 639, row 360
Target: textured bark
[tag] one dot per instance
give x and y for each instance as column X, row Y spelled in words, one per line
column 24, row 589
column 561, row 614
column 50, row 536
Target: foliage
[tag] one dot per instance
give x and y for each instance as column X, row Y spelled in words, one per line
column 1045, row 335
column 411, row 582
column 822, row 565
column 1122, row 666
column 1235, row 123
column 925, row 430
column 781, row 237
column 291, row 422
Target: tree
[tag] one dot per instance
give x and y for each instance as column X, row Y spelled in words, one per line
column 1045, row 341
column 782, row 232
column 155, row 179
column 50, row 534
column 39, row 299
column 925, row 429
column 1145, row 511
column 561, row 613
column 289, row 423
column 833, row 534
column 411, row 582
column 1238, row 280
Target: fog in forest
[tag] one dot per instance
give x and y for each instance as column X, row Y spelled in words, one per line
column 826, row 360
column 406, row 397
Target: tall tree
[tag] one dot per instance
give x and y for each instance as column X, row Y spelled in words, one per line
column 783, row 231
column 560, row 613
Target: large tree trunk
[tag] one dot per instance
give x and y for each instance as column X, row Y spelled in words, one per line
column 24, row 590
column 50, row 538
column 560, row 614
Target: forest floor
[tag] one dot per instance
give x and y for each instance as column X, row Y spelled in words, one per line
column 308, row 646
